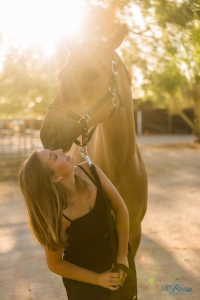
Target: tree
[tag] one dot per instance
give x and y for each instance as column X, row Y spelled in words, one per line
column 164, row 50
column 176, row 77
column 179, row 74
column 28, row 82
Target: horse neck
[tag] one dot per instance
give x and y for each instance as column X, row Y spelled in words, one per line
column 122, row 124
column 115, row 138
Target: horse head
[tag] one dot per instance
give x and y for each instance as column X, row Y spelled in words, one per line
column 84, row 80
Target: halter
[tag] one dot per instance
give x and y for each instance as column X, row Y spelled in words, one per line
column 83, row 118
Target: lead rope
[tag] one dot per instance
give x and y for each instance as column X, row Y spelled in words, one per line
column 114, row 295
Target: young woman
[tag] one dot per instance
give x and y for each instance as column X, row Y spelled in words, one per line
column 68, row 218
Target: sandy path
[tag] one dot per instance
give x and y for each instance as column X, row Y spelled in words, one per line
column 169, row 251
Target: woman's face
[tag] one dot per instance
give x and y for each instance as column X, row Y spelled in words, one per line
column 59, row 162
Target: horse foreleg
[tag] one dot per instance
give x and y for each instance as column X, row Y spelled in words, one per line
column 135, row 238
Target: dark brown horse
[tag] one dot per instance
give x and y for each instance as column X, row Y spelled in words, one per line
column 85, row 80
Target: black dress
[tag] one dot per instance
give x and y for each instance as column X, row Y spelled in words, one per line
column 89, row 247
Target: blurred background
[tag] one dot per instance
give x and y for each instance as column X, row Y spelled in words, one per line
column 161, row 50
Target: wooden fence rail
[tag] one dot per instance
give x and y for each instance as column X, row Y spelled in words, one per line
column 18, row 138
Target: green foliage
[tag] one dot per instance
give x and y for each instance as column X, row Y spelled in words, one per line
column 163, row 52
column 168, row 89
column 167, row 52
column 28, row 82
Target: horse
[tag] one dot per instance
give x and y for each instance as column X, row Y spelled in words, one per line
column 95, row 71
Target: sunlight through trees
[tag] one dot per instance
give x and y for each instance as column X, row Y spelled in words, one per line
column 162, row 51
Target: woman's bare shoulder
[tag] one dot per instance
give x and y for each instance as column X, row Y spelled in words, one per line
column 86, row 167
column 83, row 164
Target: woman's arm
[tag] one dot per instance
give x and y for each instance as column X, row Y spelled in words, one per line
column 121, row 219
column 120, row 210
column 63, row 268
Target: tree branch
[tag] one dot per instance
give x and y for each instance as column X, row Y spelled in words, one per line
column 186, row 119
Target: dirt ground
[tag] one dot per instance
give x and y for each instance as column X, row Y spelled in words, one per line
column 170, row 246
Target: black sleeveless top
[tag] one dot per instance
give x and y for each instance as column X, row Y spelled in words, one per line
column 88, row 240
column 89, row 246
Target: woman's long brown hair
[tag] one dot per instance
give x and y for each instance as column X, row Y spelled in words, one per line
column 44, row 201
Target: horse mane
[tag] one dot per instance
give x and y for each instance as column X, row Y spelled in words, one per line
column 129, row 76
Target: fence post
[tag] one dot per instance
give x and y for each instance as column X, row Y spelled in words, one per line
column 32, row 133
column 139, row 122
column 1, row 137
column 169, row 123
column 23, row 144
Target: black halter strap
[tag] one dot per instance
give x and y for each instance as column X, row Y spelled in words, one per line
column 82, row 119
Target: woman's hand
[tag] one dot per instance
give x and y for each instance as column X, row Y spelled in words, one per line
column 122, row 260
column 109, row 280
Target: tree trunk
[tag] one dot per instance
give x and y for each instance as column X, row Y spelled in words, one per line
column 186, row 119
column 197, row 120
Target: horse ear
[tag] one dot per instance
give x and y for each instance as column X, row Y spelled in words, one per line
column 70, row 45
column 115, row 40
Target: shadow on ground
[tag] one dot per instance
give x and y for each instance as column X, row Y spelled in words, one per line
column 170, row 246
column 157, row 266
